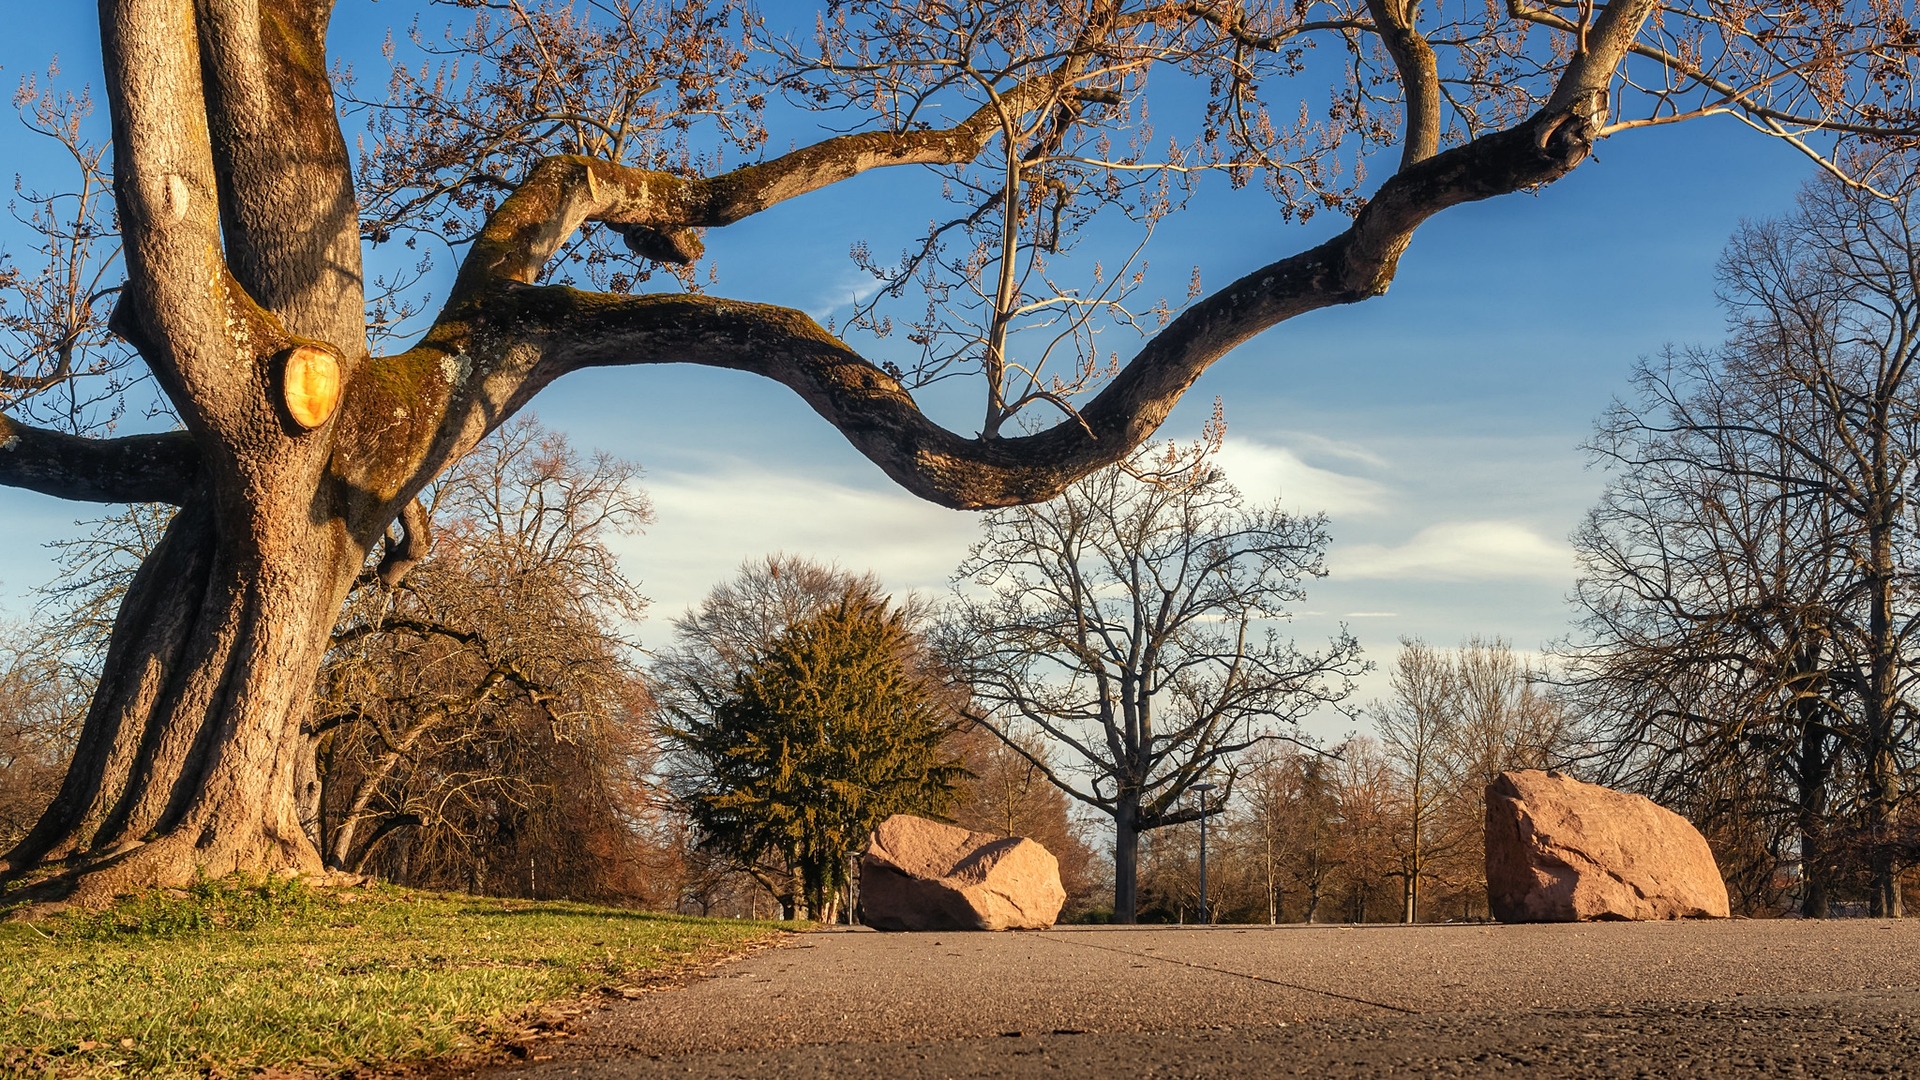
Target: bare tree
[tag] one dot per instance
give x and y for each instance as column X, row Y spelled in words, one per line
column 488, row 692
column 41, row 705
column 1506, row 719
column 1267, row 789
column 1786, row 593
column 241, row 236
column 1706, row 643
column 1457, row 719
column 1419, row 727
column 728, row 631
column 1130, row 622
column 1369, row 796
column 1313, row 811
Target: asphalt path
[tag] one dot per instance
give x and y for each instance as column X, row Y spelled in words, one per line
column 1724, row 998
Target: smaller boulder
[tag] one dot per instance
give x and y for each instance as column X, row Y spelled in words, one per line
column 1559, row 850
column 921, row 875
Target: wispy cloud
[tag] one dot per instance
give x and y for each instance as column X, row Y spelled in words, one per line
column 848, row 288
column 1459, row 551
column 708, row 523
column 1266, row 471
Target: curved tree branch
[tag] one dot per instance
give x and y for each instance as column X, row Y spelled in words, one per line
column 137, row 468
column 562, row 193
column 517, row 337
column 416, row 540
column 1419, row 76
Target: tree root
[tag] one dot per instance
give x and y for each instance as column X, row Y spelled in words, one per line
column 94, row 883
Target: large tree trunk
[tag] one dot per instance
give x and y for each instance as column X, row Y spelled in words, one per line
column 188, row 758
column 1883, row 768
column 1126, row 860
column 243, row 296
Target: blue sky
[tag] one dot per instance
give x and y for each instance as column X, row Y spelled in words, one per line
column 1438, row 425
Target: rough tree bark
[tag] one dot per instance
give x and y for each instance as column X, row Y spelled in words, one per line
column 241, row 244
column 1126, row 859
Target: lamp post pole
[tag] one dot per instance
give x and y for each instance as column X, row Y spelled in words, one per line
column 1206, row 913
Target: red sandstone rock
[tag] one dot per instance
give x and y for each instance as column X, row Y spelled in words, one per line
column 921, row 875
column 1559, row 850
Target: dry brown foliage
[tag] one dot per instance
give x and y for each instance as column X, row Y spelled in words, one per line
column 482, row 724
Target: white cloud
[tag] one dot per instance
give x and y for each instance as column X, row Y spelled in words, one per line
column 849, row 288
column 1459, row 551
column 1266, row 472
column 1322, row 446
column 708, row 523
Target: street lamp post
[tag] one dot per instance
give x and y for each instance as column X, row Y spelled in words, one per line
column 1206, row 913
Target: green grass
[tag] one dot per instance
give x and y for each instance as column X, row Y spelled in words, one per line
column 227, row 979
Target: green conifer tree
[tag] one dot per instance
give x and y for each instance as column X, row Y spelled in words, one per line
column 837, row 726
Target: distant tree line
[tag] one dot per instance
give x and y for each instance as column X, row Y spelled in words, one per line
column 1373, row 829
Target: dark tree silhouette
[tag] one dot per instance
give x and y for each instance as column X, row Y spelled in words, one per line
column 1128, row 622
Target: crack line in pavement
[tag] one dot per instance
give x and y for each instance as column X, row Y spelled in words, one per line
column 1237, row 974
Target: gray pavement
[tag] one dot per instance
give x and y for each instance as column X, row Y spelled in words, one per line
column 1604, row 999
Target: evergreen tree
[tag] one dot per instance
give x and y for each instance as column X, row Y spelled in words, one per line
column 837, row 726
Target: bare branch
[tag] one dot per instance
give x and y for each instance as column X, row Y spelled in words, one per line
column 136, row 468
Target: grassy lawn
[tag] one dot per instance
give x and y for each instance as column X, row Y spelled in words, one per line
column 228, row 979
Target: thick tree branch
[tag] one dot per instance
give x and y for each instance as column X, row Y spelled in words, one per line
column 197, row 328
column 138, row 468
column 655, row 209
column 500, row 339
column 547, row 331
column 1591, row 70
column 290, row 222
column 1419, row 76
column 388, row 826
column 416, row 540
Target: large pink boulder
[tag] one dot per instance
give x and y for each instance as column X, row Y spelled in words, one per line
column 921, row 875
column 1559, row 850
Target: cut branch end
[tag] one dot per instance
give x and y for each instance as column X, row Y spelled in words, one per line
column 310, row 385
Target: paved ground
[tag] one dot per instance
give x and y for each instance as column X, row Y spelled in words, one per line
column 1609, row 999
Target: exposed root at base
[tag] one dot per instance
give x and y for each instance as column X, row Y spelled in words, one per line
column 94, row 883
